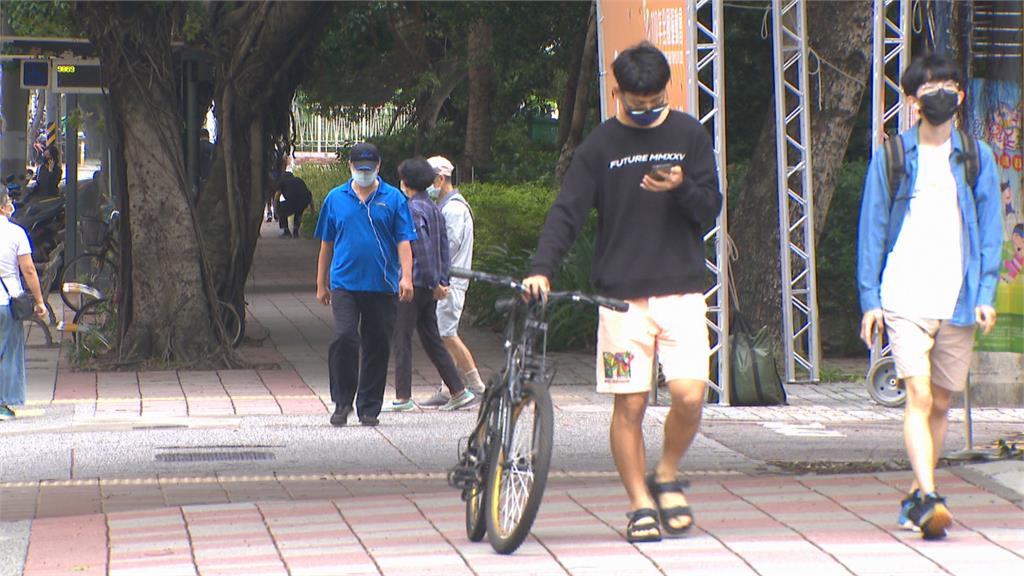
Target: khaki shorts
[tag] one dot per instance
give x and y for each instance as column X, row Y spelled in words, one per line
column 673, row 326
column 449, row 311
column 932, row 348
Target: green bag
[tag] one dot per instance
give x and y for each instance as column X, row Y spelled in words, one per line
column 753, row 377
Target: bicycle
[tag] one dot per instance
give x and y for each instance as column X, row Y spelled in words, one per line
column 503, row 467
column 96, row 269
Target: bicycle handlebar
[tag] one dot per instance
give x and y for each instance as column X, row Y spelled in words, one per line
column 613, row 303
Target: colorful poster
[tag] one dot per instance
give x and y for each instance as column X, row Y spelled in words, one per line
column 996, row 117
column 623, row 23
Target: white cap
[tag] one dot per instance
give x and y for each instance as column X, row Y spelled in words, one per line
column 441, row 165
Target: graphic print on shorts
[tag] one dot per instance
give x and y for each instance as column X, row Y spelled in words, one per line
column 617, row 365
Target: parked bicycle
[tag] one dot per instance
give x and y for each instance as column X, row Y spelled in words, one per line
column 503, row 467
column 97, row 267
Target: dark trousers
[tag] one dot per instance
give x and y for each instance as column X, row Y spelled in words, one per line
column 421, row 315
column 358, row 358
column 286, row 209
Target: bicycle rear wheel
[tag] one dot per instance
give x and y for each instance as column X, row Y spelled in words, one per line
column 516, row 480
column 93, row 270
column 476, row 497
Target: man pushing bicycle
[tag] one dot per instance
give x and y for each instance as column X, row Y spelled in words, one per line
column 650, row 173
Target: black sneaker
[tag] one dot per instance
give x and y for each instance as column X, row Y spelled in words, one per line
column 340, row 416
column 907, row 505
column 295, row 232
column 932, row 516
column 369, row 420
column 286, row 233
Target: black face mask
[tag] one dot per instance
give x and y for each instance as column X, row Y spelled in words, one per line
column 939, row 106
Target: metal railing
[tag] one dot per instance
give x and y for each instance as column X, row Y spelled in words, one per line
column 317, row 133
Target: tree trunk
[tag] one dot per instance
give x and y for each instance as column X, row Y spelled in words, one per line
column 566, row 103
column 588, row 71
column 753, row 207
column 253, row 107
column 477, row 153
column 166, row 300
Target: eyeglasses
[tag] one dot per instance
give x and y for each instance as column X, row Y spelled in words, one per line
column 932, row 87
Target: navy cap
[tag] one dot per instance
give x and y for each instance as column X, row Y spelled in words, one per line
column 364, row 156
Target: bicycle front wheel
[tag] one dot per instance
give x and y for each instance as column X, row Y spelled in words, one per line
column 95, row 328
column 516, row 479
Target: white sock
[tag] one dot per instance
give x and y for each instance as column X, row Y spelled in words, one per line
column 473, row 378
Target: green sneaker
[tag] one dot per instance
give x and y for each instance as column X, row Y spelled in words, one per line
column 400, row 406
column 6, row 413
column 459, row 400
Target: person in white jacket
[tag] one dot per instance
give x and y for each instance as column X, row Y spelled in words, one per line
column 459, row 223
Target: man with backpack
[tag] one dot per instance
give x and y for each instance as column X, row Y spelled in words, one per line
column 928, row 257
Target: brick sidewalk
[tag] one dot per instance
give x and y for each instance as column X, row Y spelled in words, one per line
column 289, row 333
column 325, row 525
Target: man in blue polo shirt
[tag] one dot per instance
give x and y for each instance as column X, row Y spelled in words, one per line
column 365, row 260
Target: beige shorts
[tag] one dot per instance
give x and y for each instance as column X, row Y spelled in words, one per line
column 933, row 348
column 674, row 327
column 449, row 311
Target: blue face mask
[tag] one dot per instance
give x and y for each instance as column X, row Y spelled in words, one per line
column 364, row 178
column 433, row 192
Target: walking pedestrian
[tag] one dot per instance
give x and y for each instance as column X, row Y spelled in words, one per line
column 431, row 261
column 650, row 173
column 365, row 261
column 293, row 197
column 458, row 218
column 928, row 256
column 15, row 262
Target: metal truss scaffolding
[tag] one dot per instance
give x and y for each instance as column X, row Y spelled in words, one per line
column 889, row 57
column 796, row 205
column 706, row 94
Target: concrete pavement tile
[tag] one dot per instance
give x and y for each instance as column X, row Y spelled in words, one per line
column 158, row 567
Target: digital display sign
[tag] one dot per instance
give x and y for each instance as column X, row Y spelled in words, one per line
column 35, row 74
column 77, row 76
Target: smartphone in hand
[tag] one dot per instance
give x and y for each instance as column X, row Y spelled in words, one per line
column 660, row 171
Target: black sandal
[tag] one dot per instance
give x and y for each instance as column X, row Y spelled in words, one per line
column 676, row 512
column 644, row 532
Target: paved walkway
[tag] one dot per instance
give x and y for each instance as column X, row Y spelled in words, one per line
column 333, row 523
column 819, row 525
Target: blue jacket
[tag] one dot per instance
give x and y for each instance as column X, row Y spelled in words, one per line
column 980, row 211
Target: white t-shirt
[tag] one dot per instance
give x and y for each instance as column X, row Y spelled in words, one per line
column 13, row 243
column 924, row 272
column 459, row 226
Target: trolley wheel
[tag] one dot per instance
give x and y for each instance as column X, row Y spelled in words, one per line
column 883, row 385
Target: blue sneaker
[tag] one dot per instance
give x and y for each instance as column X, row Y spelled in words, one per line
column 6, row 413
column 907, row 506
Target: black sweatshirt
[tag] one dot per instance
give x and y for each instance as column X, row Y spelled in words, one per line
column 648, row 243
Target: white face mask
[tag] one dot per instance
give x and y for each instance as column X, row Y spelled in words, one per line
column 364, row 178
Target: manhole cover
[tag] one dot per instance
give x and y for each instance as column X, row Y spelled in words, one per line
column 214, row 456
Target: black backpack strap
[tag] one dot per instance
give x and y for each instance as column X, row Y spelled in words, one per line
column 969, row 158
column 895, row 160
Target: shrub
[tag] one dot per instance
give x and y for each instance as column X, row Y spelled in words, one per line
column 836, row 260
column 507, row 223
column 321, row 179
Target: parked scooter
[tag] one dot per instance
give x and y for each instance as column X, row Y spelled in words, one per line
column 41, row 216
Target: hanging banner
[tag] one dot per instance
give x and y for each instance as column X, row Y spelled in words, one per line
column 624, row 23
column 996, row 117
